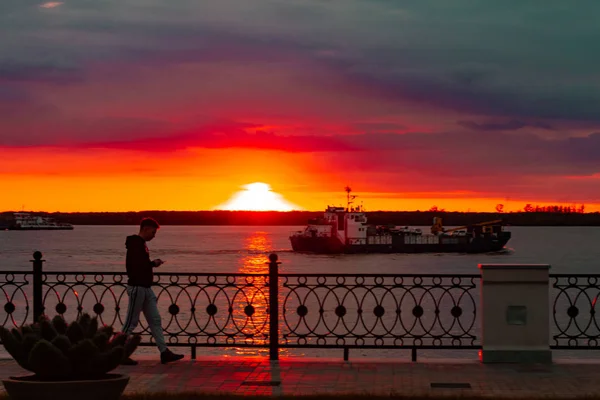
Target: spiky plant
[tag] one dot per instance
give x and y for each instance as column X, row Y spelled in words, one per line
column 55, row 350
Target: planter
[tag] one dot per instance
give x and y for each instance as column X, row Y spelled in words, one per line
column 29, row 387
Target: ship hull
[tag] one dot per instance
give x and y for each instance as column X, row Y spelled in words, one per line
column 318, row 245
column 328, row 245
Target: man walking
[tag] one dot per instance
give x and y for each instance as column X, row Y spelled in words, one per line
column 139, row 288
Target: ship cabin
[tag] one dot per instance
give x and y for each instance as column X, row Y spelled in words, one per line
column 348, row 225
column 352, row 227
column 27, row 220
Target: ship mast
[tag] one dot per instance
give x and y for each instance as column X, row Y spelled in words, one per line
column 348, row 198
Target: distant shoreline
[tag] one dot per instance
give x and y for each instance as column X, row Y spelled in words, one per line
column 296, row 218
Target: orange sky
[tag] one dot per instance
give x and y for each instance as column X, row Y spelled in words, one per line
column 178, row 105
column 125, row 180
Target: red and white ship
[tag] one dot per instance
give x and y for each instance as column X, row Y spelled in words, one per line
column 345, row 230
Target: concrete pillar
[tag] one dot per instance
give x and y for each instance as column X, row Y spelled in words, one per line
column 515, row 313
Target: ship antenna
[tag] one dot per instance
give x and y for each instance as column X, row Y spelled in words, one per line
column 348, row 190
column 349, row 198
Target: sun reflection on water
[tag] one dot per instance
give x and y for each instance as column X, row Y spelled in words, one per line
column 258, row 244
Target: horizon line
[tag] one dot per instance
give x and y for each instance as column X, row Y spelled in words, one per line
column 281, row 212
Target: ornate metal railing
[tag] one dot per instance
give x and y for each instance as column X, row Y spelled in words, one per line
column 243, row 310
column 379, row 311
column 15, row 288
column 317, row 310
column 196, row 309
column 573, row 311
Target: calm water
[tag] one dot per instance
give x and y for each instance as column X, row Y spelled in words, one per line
column 245, row 250
column 242, row 249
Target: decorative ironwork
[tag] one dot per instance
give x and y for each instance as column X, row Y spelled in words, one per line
column 379, row 311
column 14, row 286
column 318, row 310
column 242, row 310
column 202, row 309
column 573, row 302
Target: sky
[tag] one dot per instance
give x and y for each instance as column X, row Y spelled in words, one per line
column 125, row 105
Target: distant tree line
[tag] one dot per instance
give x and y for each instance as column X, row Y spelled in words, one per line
column 535, row 217
column 559, row 209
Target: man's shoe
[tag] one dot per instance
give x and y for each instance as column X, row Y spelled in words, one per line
column 167, row 356
column 129, row 361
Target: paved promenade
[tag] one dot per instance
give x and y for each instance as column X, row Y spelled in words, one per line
column 300, row 376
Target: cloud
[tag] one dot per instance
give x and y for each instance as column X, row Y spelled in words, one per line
column 12, row 94
column 503, row 126
column 379, row 127
column 460, row 51
column 228, row 136
column 448, row 88
column 505, row 164
column 464, row 161
column 52, row 4
column 14, row 72
column 453, row 155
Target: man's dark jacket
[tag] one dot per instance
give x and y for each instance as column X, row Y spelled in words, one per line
column 137, row 262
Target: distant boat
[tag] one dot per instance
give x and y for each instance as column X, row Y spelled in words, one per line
column 345, row 230
column 22, row 221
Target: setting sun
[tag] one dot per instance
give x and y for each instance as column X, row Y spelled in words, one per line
column 257, row 196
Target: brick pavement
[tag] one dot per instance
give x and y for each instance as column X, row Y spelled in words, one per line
column 299, row 376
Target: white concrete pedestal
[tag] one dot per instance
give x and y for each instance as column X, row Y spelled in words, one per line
column 515, row 313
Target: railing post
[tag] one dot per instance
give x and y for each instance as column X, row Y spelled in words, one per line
column 273, row 307
column 38, row 302
column 514, row 313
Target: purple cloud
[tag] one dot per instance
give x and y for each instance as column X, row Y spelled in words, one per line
column 503, row 126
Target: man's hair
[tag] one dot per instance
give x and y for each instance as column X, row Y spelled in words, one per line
column 151, row 222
